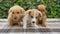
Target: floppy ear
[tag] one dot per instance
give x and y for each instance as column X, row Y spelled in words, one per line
column 9, row 11
column 40, row 15
column 22, row 11
column 29, row 12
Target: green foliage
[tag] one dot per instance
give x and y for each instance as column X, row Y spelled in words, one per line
column 52, row 12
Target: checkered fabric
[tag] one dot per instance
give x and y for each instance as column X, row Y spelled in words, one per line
column 50, row 29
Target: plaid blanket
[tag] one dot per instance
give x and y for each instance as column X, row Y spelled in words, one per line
column 50, row 29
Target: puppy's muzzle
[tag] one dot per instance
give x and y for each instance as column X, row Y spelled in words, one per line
column 15, row 18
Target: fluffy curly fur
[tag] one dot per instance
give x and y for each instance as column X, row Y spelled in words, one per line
column 15, row 15
column 42, row 8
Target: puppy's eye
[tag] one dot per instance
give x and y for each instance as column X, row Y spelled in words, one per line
column 12, row 12
column 36, row 17
column 31, row 16
column 17, row 12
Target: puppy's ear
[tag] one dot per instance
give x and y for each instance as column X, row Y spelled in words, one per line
column 29, row 12
column 22, row 11
column 40, row 16
column 9, row 11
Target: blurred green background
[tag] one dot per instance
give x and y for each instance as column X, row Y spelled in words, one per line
column 52, row 12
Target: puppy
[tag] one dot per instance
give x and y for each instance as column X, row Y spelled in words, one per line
column 32, row 16
column 15, row 15
column 42, row 8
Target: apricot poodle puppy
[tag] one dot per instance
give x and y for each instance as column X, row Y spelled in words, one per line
column 15, row 15
column 42, row 8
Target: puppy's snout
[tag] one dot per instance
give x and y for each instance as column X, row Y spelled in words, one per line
column 33, row 22
column 15, row 18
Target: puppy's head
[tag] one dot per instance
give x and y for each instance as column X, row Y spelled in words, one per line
column 41, row 8
column 35, row 15
column 16, row 12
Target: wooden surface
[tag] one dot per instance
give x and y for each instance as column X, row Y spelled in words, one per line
column 53, row 25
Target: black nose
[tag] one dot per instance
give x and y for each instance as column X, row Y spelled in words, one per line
column 14, row 17
column 33, row 22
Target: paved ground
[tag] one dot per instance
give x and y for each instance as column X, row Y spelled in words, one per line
column 53, row 27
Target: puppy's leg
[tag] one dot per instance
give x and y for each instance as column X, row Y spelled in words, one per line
column 44, row 21
column 37, row 23
column 11, row 22
column 25, row 25
column 25, row 19
column 25, row 22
